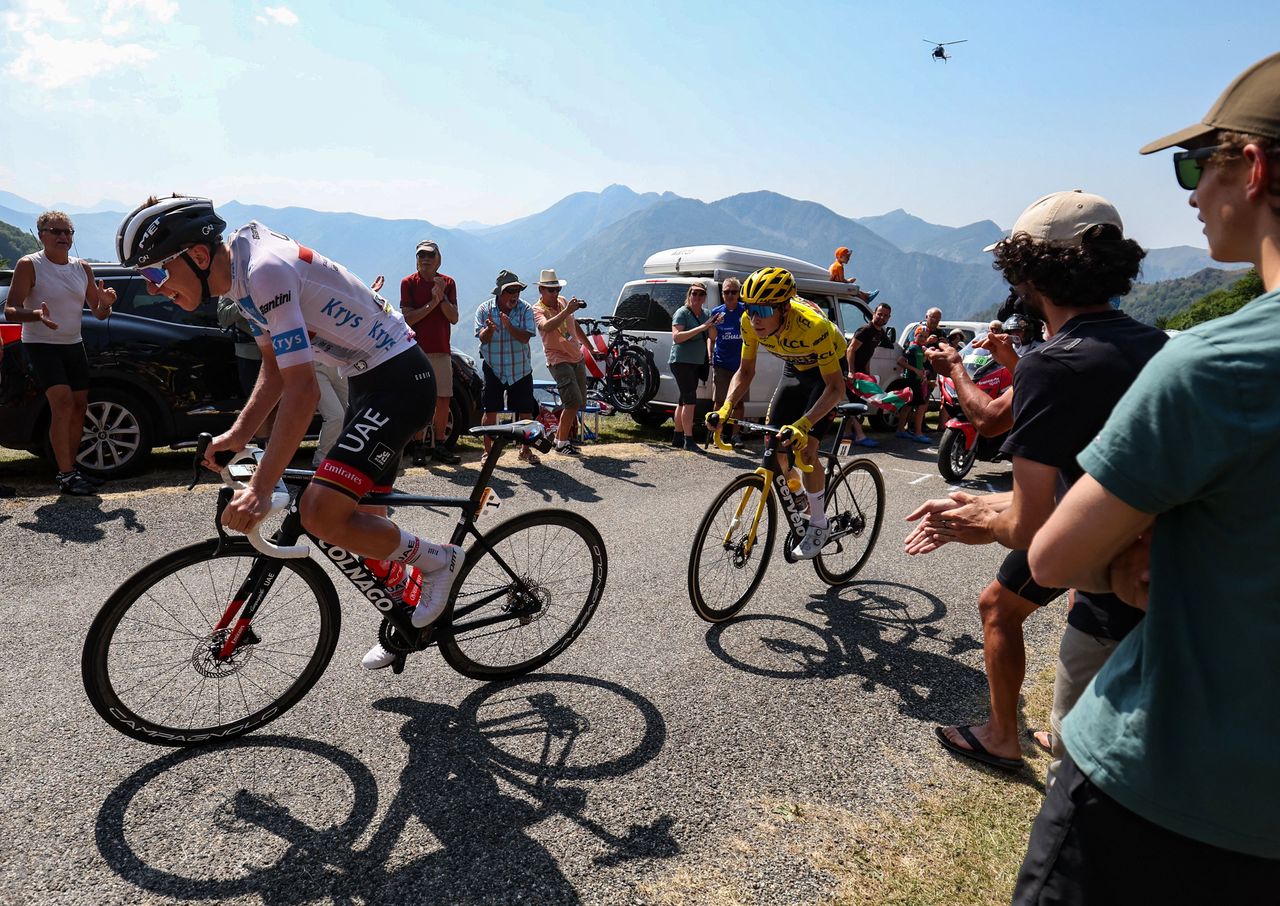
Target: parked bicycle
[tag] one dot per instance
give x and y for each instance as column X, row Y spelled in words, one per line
column 220, row 638
column 621, row 366
column 736, row 536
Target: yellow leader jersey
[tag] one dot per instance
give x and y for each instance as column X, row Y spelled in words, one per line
column 805, row 340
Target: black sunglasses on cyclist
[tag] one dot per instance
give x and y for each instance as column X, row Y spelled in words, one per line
column 1188, row 166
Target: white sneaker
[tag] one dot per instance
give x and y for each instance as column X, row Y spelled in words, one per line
column 436, row 586
column 377, row 657
column 811, row 544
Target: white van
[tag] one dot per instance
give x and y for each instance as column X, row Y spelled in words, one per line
column 654, row 300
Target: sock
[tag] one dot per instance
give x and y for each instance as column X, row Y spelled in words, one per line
column 414, row 551
column 817, row 515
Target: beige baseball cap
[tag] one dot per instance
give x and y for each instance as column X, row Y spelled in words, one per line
column 1063, row 218
column 1251, row 104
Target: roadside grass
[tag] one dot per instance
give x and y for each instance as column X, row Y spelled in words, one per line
column 959, row 839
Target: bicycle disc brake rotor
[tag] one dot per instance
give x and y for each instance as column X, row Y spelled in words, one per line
column 527, row 601
column 205, row 658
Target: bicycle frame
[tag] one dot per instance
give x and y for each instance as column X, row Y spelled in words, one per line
column 265, row 570
column 775, row 482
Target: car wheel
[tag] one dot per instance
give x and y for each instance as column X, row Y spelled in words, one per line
column 117, row 434
column 651, row 417
column 460, row 419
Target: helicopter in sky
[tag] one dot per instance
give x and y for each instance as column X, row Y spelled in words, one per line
column 940, row 48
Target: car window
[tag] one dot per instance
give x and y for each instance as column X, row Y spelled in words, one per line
column 160, row 308
column 852, row 316
column 654, row 303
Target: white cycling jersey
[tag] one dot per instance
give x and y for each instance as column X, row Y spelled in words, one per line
column 310, row 306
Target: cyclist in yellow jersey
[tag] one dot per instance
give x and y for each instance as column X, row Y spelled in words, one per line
column 812, row 384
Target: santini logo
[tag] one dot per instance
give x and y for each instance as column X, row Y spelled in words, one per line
column 276, row 302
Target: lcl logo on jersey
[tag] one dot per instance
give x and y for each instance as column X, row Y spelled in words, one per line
column 366, row 423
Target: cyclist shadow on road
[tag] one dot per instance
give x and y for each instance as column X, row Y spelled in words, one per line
column 283, row 841
column 80, row 522
column 881, row 631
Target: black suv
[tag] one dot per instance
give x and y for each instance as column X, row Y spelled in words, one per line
column 158, row 377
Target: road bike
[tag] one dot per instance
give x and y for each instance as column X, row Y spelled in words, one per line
column 220, row 638
column 733, row 542
column 621, row 367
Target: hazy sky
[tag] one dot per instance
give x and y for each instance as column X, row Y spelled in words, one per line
column 486, row 111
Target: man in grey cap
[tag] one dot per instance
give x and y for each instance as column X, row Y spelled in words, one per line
column 1168, row 789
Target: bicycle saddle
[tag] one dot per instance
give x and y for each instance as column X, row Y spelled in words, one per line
column 854, row 408
column 527, row 431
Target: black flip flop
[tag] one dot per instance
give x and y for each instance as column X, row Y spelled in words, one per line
column 978, row 751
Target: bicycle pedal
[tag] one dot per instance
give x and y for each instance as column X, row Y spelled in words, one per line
column 397, row 666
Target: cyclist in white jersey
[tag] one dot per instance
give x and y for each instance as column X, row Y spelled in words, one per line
column 303, row 306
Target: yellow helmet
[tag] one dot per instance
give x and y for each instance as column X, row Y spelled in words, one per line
column 769, row 286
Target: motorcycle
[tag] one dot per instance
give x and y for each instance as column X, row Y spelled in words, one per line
column 961, row 444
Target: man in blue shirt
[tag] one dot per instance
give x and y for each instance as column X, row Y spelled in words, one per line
column 726, row 349
column 504, row 325
column 1168, row 792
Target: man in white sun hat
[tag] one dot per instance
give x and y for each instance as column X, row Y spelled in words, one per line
column 563, row 342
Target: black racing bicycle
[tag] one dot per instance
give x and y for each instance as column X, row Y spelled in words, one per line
column 620, row 367
column 222, row 637
column 735, row 538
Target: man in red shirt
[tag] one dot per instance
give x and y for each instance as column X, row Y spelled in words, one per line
column 429, row 303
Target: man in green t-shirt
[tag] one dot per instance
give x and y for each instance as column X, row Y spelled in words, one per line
column 1169, row 792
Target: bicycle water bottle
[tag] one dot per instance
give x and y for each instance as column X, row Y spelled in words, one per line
column 388, row 573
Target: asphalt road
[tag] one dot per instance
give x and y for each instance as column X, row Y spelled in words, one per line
column 639, row 756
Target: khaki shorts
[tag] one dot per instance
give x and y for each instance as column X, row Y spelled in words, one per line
column 442, row 367
column 721, row 378
column 571, row 382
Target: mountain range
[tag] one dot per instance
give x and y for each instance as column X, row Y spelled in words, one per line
column 599, row 240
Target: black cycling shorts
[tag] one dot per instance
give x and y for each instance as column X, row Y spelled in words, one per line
column 795, row 395
column 56, row 364
column 1015, row 575
column 386, row 407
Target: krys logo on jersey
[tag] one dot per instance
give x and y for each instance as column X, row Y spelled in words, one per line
column 344, row 317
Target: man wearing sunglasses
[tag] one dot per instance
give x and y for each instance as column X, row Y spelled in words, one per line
column 811, row 348
column 48, row 295
column 303, row 307
column 1167, row 792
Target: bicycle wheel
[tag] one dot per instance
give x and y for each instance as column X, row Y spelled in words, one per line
column 524, row 594
column 629, row 380
column 723, row 572
column 149, row 666
column 855, row 509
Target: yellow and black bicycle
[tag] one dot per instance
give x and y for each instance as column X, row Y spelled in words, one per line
column 736, row 536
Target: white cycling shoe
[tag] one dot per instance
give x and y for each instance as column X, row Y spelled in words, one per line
column 811, row 544
column 436, row 586
column 377, row 657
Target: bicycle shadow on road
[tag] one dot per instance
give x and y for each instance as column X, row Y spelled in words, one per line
column 80, row 521
column 285, row 814
column 880, row 631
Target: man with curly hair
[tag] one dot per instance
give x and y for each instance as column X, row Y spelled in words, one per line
column 1066, row 257
column 1168, row 790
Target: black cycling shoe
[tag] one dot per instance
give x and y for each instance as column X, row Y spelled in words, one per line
column 418, row 450
column 440, row 454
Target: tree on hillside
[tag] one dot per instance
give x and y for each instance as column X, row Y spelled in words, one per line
column 1216, row 304
column 14, row 243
